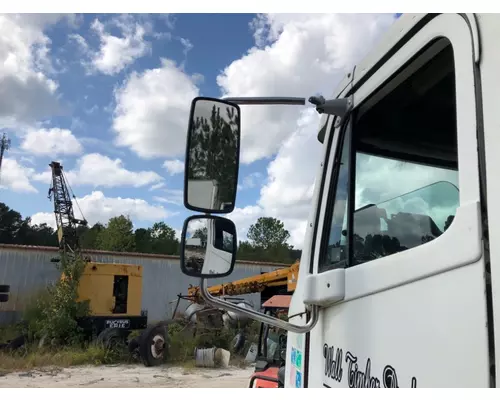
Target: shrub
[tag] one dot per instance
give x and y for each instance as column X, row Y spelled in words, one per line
column 54, row 313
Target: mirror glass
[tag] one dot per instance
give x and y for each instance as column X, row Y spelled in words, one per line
column 212, row 157
column 208, row 247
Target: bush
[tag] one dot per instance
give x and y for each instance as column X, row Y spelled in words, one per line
column 55, row 312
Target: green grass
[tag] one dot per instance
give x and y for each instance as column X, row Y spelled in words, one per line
column 181, row 350
column 31, row 358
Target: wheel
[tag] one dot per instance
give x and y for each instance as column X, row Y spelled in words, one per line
column 4, row 288
column 111, row 337
column 153, row 346
column 238, row 342
column 4, row 297
column 16, row 343
column 133, row 345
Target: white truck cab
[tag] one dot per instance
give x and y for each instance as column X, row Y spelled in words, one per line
column 396, row 286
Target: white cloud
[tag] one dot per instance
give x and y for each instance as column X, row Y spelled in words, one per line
column 174, row 166
column 289, row 191
column 98, row 208
column 305, row 54
column 250, row 181
column 287, row 195
column 16, row 177
column 152, row 111
column 294, row 55
column 27, row 93
column 80, row 41
column 157, row 186
column 171, row 196
column 243, row 218
column 52, row 141
column 187, row 45
column 115, row 53
column 98, row 170
column 44, row 218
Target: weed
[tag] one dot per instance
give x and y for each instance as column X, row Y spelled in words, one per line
column 54, row 312
column 31, row 357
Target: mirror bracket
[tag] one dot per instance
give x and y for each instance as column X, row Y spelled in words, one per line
column 264, row 318
column 337, row 107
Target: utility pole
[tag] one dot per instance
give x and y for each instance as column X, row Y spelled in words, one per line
column 4, row 145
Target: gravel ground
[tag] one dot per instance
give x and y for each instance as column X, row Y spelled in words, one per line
column 121, row 376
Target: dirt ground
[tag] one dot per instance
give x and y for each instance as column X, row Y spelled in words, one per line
column 123, row 376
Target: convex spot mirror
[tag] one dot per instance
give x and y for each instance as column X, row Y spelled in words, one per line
column 208, row 247
column 212, row 156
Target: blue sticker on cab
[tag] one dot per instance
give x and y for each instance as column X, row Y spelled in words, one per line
column 294, row 351
column 298, row 379
column 298, row 360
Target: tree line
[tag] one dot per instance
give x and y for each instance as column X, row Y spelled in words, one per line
column 267, row 238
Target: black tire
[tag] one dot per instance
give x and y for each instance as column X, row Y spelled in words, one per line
column 133, row 345
column 4, row 297
column 16, row 343
column 153, row 344
column 4, row 288
column 111, row 337
column 238, row 342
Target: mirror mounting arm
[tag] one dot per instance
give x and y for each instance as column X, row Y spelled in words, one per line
column 337, row 107
column 215, row 302
column 294, row 101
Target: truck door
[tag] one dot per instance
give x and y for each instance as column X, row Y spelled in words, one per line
column 400, row 215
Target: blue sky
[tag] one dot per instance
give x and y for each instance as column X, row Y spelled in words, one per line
column 108, row 96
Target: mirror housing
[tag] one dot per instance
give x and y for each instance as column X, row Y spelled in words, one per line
column 212, row 156
column 208, row 242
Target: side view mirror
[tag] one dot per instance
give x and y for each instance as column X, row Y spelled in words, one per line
column 212, row 156
column 209, row 243
column 208, row 246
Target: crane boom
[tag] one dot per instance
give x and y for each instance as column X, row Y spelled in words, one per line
column 69, row 245
column 254, row 284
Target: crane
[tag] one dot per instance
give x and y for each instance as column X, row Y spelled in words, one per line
column 67, row 224
column 114, row 291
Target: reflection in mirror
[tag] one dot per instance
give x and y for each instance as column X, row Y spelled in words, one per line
column 208, row 246
column 212, row 156
column 403, row 222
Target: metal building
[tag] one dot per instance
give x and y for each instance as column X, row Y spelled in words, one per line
column 28, row 269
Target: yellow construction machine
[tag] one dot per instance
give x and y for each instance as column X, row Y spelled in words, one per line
column 113, row 291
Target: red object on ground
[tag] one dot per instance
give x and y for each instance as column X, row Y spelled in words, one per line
column 271, row 372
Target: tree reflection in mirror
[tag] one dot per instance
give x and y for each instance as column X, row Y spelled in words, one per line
column 213, row 154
